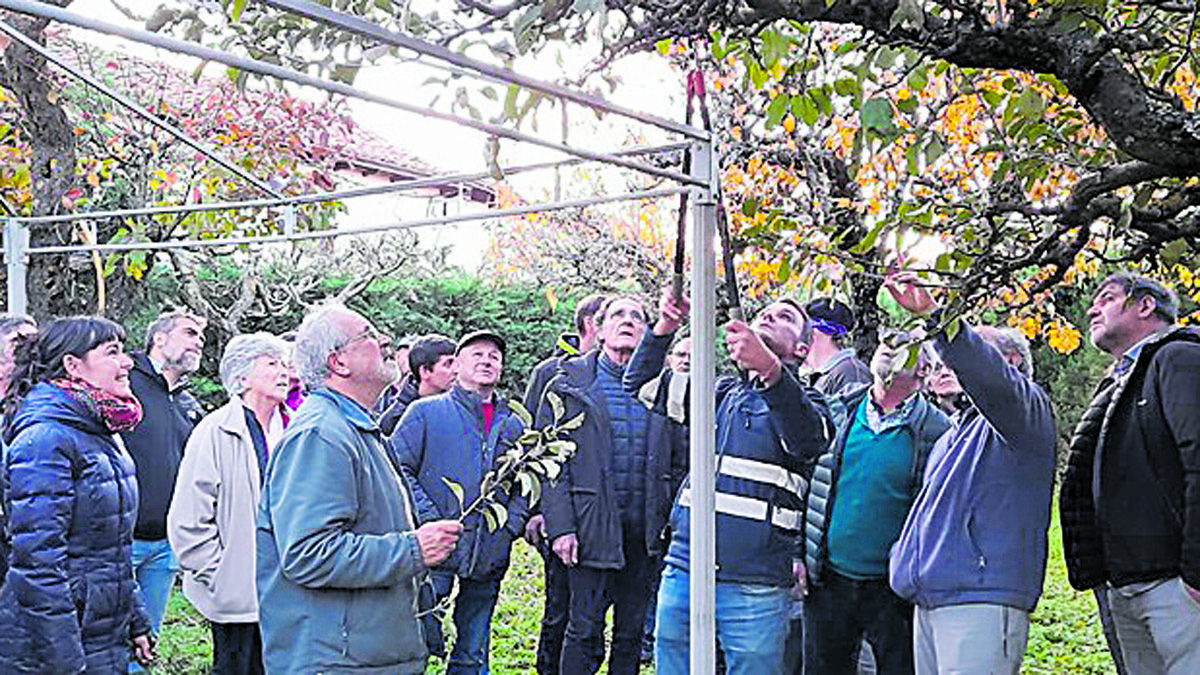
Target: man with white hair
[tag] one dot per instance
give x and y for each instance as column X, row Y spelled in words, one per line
column 339, row 555
column 972, row 553
column 862, row 490
column 174, row 344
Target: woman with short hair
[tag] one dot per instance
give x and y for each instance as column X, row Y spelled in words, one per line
column 70, row 601
column 211, row 519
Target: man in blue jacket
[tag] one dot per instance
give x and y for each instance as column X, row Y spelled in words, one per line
column 458, row 436
column 770, row 430
column 973, row 551
column 339, row 554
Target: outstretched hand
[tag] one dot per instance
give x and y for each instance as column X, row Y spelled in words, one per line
column 909, row 294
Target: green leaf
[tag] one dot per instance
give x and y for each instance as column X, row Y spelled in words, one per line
column 457, row 490
column 521, row 412
column 877, row 116
column 238, row 6
column 490, row 519
column 750, row 207
column 663, row 46
column 499, row 512
column 556, row 405
column 572, row 424
column 808, row 111
column 777, row 109
column 1030, row 106
column 785, row 270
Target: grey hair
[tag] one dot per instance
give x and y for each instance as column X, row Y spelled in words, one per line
column 318, row 336
column 166, row 321
column 1009, row 341
column 11, row 323
column 240, row 354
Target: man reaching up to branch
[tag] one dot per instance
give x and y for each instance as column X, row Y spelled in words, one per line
column 770, row 430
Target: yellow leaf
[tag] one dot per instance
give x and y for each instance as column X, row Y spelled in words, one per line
column 789, row 124
column 93, row 180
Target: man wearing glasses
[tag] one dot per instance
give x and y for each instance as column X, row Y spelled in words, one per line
column 861, row 492
column 339, row 553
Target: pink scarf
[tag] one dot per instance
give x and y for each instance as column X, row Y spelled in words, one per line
column 118, row 413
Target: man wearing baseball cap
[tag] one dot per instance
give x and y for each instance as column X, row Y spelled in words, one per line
column 457, row 436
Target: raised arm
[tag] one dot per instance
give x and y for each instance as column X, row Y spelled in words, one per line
column 1016, row 407
column 801, row 415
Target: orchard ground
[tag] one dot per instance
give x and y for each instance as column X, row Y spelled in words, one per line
column 1064, row 636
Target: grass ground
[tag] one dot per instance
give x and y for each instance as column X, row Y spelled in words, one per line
column 1064, row 636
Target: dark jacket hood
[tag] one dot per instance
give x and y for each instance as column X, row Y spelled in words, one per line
column 48, row 403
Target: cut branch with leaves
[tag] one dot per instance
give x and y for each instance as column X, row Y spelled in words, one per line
column 537, row 456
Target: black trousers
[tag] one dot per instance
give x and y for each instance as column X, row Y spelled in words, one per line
column 839, row 612
column 592, row 591
column 237, row 649
column 554, row 612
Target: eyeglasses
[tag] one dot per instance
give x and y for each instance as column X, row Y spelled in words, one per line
column 368, row 333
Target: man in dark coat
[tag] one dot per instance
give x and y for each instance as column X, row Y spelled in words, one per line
column 557, row 598
column 458, row 436
column 595, row 512
column 174, row 343
column 1130, row 496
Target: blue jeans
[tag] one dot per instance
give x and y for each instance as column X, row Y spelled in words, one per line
column 751, row 619
column 155, row 566
column 473, row 609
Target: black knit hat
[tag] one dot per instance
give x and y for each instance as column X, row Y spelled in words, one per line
column 830, row 316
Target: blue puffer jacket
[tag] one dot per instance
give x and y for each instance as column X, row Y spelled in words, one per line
column 977, row 531
column 70, row 602
column 441, row 437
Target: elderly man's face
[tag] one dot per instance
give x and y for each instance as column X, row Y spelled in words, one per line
column 680, row 359
column 479, row 365
column 942, row 381
column 364, row 352
column 624, row 323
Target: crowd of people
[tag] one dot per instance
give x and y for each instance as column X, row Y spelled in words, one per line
column 884, row 516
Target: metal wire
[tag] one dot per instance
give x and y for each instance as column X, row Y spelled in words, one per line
column 329, row 234
column 263, row 68
column 400, row 186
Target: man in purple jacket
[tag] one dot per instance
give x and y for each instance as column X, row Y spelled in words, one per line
column 972, row 553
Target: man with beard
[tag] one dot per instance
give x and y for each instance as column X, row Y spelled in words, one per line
column 339, row 556
column 861, row 493
column 595, row 511
column 770, row 430
column 174, row 344
column 459, row 436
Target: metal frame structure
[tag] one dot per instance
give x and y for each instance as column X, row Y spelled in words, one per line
column 701, row 183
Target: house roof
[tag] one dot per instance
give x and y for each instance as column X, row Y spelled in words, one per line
column 339, row 141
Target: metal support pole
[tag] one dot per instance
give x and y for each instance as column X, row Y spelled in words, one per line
column 703, row 563
column 16, row 243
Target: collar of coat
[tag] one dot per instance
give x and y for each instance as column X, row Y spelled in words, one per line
column 349, row 408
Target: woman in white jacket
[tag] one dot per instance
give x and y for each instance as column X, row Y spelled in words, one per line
column 211, row 520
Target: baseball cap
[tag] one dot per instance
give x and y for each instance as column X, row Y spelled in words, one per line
column 476, row 336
